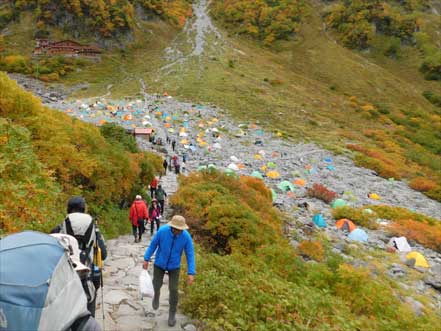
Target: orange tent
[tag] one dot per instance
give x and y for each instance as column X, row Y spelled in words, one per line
column 345, row 224
column 300, row 182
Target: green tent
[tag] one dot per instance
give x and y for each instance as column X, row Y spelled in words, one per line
column 273, row 194
column 271, row 165
column 211, row 166
column 230, row 172
column 286, row 186
column 202, row 167
column 257, row 174
column 338, row 203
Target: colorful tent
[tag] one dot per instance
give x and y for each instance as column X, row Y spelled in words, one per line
column 233, row 166
column 271, row 165
column 286, row 186
column 273, row 195
column 400, row 244
column 300, row 182
column 273, row 174
column 358, row 235
column 319, row 220
column 374, row 196
column 257, row 174
column 420, row 260
column 345, row 225
column 338, row 203
column 258, row 156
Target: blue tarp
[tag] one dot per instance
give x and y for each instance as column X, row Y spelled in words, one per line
column 319, row 220
column 358, row 235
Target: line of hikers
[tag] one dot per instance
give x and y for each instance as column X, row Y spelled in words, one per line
column 62, row 295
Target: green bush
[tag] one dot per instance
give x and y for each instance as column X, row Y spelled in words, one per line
column 116, row 134
column 431, row 66
column 433, row 98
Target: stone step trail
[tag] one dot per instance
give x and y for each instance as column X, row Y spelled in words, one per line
column 123, row 308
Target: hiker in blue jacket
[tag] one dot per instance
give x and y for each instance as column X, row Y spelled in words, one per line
column 169, row 243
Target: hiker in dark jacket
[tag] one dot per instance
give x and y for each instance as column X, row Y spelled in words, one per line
column 81, row 226
column 160, row 196
column 138, row 214
column 154, row 216
column 165, row 165
column 169, row 243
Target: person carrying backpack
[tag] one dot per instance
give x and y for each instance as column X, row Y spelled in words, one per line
column 138, row 214
column 165, row 165
column 154, row 215
column 81, row 226
column 160, row 196
column 153, row 186
column 43, row 291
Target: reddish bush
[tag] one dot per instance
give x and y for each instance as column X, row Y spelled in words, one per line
column 427, row 235
column 422, row 184
column 320, row 191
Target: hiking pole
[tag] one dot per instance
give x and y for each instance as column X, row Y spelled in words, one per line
column 99, row 263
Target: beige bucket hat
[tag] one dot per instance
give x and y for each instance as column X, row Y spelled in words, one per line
column 178, row 222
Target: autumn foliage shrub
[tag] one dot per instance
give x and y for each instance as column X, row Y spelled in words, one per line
column 263, row 20
column 227, row 213
column 394, row 213
column 320, row 191
column 262, row 284
column 356, row 215
column 426, row 235
column 48, row 156
column 422, row 184
column 311, row 249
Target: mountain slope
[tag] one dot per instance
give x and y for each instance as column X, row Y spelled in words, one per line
column 309, row 87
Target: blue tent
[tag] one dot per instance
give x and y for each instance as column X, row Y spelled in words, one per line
column 39, row 289
column 319, row 220
column 358, row 235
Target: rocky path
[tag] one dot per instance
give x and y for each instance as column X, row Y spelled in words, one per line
column 123, row 308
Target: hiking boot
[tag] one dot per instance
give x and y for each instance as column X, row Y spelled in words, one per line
column 136, row 240
column 171, row 318
column 155, row 302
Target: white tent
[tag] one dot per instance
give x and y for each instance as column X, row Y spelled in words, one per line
column 217, row 146
column 400, row 243
column 183, row 134
column 234, row 159
column 233, row 166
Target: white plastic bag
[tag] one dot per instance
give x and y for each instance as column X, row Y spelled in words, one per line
column 145, row 284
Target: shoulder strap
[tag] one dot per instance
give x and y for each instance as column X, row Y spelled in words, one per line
column 68, row 226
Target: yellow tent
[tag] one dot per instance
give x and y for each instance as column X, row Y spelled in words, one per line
column 374, row 196
column 258, row 156
column 184, row 141
column 420, row 260
column 168, row 118
column 263, row 168
column 182, row 130
column 273, row 174
column 203, row 143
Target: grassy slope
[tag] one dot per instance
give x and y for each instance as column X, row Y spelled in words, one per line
column 303, row 89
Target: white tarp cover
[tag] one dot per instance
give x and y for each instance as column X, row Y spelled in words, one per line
column 400, row 243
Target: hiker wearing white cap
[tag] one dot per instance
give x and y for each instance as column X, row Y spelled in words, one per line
column 138, row 214
column 170, row 242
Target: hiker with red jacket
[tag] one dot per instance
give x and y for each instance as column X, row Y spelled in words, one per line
column 138, row 213
column 153, row 186
column 154, row 215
